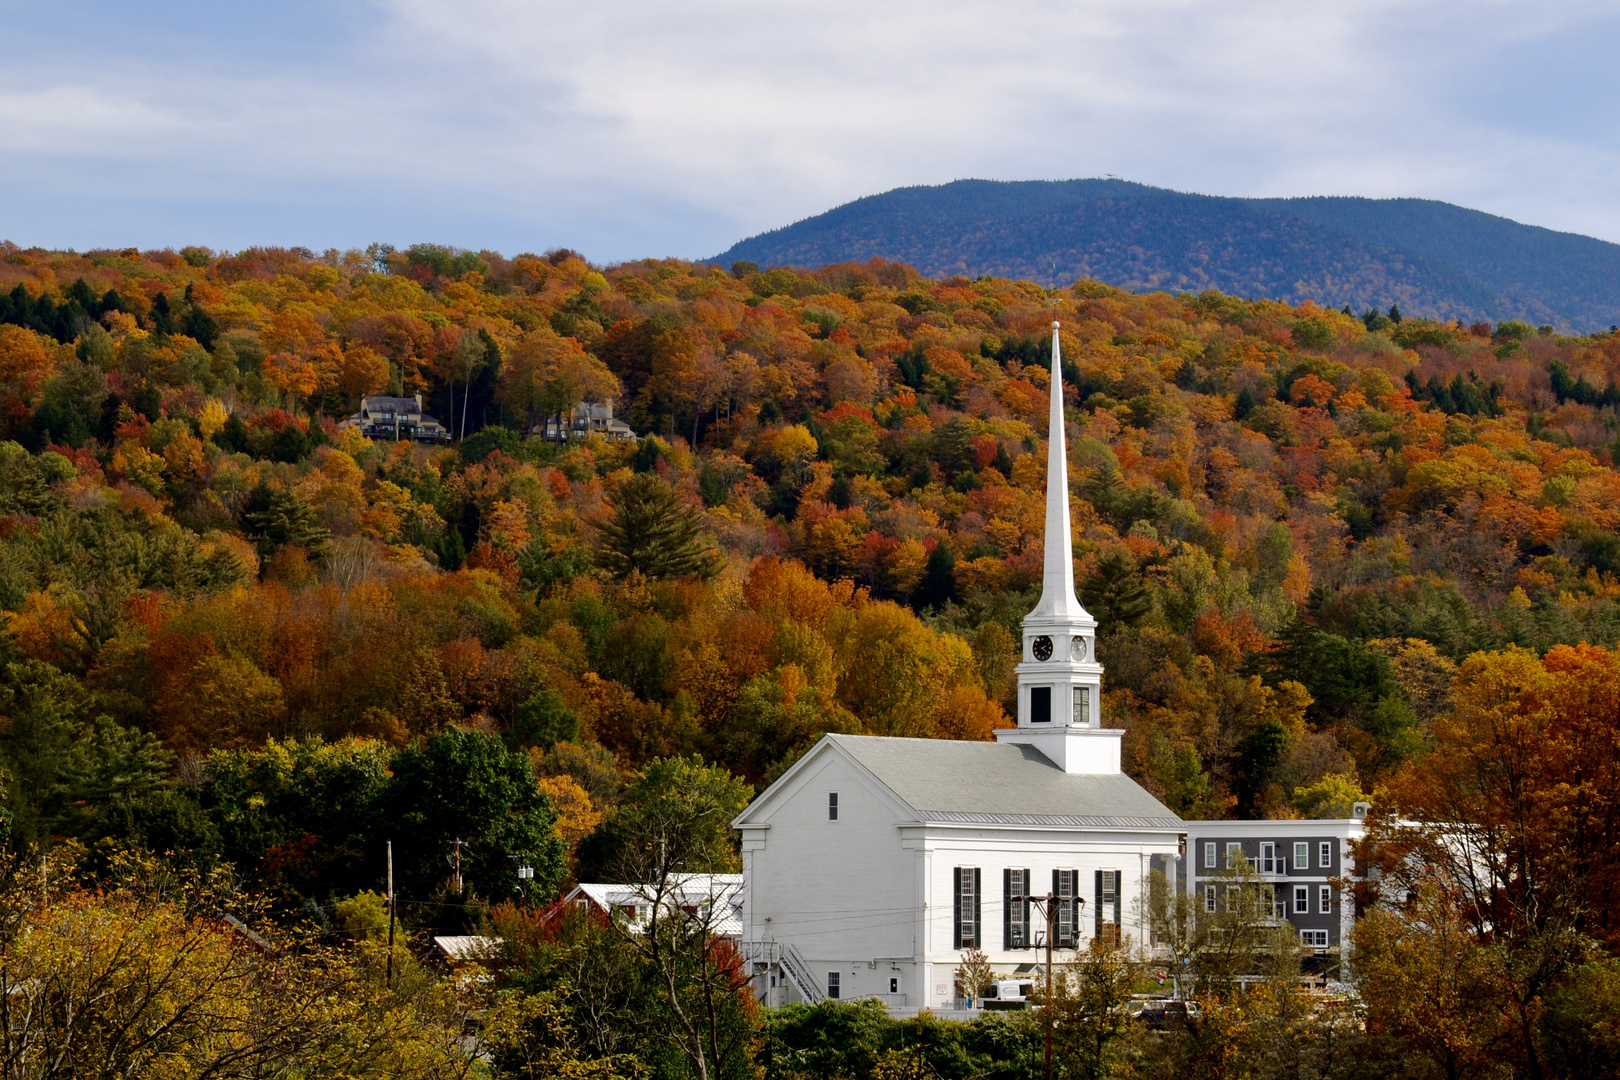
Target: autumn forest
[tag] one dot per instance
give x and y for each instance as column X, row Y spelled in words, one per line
column 1335, row 555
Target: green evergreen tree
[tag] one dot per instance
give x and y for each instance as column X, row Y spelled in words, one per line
column 274, row 517
column 1115, row 594
column 653, row 532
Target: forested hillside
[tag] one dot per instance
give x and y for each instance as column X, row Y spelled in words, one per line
column 1432, row 258
column 1334, row 557
column 1292, row 523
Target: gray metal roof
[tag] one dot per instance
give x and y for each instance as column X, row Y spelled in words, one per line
column 1002, row 784
column 385, row 403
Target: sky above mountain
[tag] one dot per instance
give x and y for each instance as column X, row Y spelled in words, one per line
column 627, row 128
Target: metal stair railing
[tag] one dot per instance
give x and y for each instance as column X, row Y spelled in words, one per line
column 786, row 959
column 799, row 971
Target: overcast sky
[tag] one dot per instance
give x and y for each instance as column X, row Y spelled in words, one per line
column 630, row 128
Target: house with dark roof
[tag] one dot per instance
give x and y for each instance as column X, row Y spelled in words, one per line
column 581, row 422
column 873, row 864
column 398, row 419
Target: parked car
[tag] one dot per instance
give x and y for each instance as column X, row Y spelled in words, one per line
column 1006, row 994
column 1167, row 1014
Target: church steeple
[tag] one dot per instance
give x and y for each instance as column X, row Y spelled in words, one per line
column 1059, row 680
column 1057, row 578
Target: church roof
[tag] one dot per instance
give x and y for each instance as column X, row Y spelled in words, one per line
column 988, row 783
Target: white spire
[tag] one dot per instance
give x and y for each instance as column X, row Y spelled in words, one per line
column 1057, row 581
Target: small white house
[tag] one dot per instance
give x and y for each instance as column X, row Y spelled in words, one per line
column 872, row 864
column 695, row 894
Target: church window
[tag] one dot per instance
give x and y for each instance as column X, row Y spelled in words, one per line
column 965, row 884
column 832, row 984
column 1106, row 911
column 1040, row 704
column 1015, row 909
column 1082, row 706
column 1209, row 854
column 832, row 806
column 1065, row 886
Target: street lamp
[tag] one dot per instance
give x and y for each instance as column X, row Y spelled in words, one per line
column 525, row 874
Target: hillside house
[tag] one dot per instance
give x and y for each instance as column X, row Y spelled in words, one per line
column 585, row 419
column 872, row 864
column 398, row 419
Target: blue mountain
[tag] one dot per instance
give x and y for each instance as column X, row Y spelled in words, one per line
column 1432, row 258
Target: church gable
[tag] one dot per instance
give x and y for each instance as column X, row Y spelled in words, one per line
column 827, row 779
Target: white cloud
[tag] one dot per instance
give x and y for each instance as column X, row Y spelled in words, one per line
column 630, row 128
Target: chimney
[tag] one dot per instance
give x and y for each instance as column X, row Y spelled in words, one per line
column 418, row 402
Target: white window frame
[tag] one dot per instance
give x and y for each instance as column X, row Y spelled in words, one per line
column 1211, row 898
column 1324, row 854
column 968, row 909
column 1018, row 910
column 1068, row 914
column 1210, row 858
column 832, row 806
column 1302, row 854
column 1234, row 847
column 1302, row 899
column 833, row 985
column 1324, row 899
column 1268, row 857
column 1316, row 939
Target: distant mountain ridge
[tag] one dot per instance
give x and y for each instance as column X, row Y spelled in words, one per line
column 1433, row 258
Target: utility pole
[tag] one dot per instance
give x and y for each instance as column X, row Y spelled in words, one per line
column 1046, row 1006
column 455, row 862
column 1048, row 904
column 390, row 914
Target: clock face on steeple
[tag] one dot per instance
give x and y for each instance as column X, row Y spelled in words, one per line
column 1077, row 648
column 1042, row 648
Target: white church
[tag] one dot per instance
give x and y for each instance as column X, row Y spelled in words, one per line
column 874, row 863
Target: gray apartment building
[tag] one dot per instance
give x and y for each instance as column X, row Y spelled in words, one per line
column 1304, row 864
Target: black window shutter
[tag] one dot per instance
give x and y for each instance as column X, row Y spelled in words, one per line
column 1062, row 909
column 1029, row 883
column 1117, row 875
column 1099, row 907
column 1007, row 941
column 978, row 899
column 956, row 903
column 1055, row 928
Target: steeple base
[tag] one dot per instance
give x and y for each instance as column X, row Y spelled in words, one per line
column 1072, row 749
